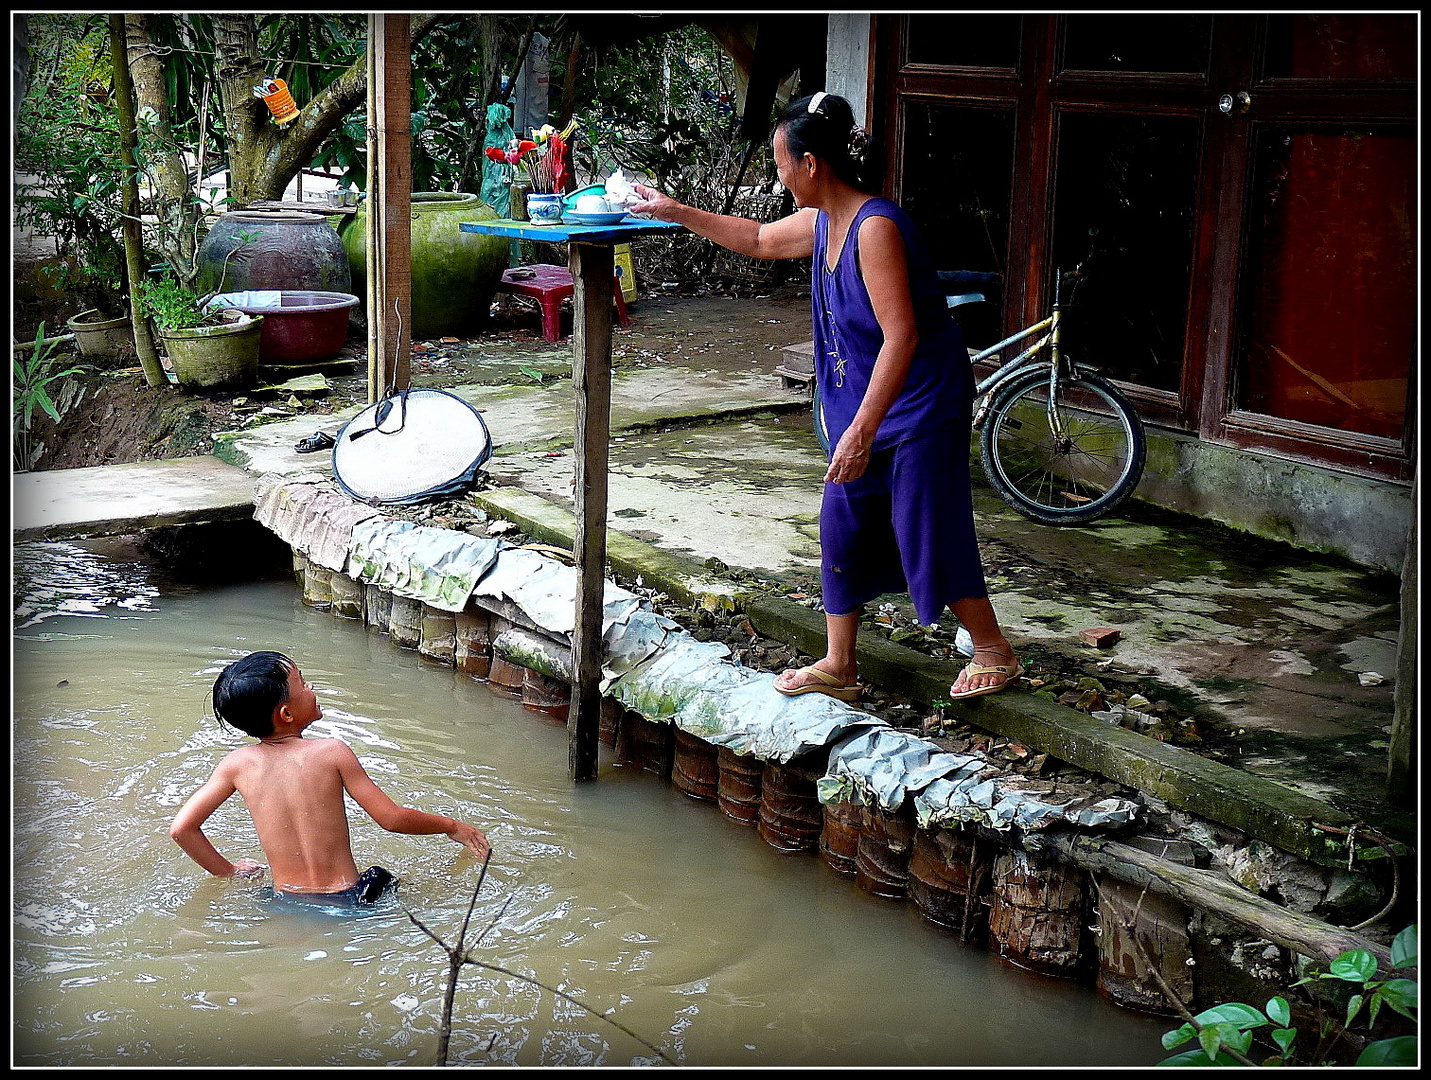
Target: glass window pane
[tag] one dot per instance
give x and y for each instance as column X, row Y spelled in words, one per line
column 1142, row 43
column 1124, row 198
column 957, row 179
column 1330, row 314
column 1341, row 46
column 964, row 40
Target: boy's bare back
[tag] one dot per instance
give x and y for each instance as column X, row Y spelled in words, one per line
column 294, row 793
column 293, row 787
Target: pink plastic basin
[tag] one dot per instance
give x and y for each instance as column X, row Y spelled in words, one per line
column 309, row 325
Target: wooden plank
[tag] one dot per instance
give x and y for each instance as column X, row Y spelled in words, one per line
column 305, row 207
column 592, row 267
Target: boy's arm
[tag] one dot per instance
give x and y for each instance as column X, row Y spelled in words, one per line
column 187, row 831
column 402, row 819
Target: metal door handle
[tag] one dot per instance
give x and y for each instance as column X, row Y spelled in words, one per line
column 1239, row 102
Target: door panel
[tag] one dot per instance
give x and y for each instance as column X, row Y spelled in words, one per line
column 1328, row 318
column 1124, row 202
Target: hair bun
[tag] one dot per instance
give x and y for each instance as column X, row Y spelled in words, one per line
column 859, row 142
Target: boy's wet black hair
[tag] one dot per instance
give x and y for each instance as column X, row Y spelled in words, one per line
column 831, row 134
column 248, row 690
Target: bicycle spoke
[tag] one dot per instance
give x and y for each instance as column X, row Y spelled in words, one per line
column 1067, row 475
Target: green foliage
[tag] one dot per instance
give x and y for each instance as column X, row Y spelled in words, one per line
column 309, row 51
column 67, row 156
column 661, row 109
column 32, row 378
column 170, row 303
column 1225, row 1030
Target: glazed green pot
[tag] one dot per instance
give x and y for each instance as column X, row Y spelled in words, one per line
column 215, row 357
column 454, row 274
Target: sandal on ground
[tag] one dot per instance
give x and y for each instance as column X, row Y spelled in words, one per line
column 825, row 683
column 319, row 440
column 1010, row 672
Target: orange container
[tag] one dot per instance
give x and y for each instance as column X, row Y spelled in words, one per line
column 280, row 103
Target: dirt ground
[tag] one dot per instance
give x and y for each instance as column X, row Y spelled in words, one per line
column 112, row 416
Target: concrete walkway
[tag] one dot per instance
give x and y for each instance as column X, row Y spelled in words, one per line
column 1297, row 651
column 71, row 504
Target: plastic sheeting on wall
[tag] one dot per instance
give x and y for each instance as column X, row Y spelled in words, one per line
column 654, row 667
column 313, row 519
column 437, row 566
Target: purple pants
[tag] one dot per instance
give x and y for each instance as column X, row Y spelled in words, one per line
column 906, row 525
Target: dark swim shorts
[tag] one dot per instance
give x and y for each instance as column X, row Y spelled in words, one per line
column 372, row 885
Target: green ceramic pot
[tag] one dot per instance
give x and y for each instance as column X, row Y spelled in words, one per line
column 454, row 274
column 103, row 338
column 215, row 357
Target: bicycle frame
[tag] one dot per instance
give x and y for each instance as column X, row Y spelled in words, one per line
column 1007, row 369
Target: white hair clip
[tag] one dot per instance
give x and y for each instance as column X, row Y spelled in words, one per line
column 814, row 105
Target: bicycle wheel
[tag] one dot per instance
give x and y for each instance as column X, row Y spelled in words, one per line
column 817, row 409
column 1071, row 480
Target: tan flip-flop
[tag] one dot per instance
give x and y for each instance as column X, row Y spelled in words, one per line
column 825, row 683
column 1005, row 670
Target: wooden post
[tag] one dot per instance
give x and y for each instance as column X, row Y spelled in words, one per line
column 129, row 203
column 592, row 269
column 390, row 206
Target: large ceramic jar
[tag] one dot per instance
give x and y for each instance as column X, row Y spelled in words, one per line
column 454, row 274
column 289, row 249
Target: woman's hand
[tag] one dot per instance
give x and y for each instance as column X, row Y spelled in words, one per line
column 659, row 206
column 248, row 868
column 851, row 457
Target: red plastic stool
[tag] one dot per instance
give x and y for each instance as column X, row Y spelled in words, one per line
column 549, row 285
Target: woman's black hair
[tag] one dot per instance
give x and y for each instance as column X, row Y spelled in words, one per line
column 248, row 690
column 831, row 134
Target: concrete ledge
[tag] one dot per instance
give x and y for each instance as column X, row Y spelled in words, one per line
column 109, row 500
column 1259, row 807
column 1241, row 800
column 681, row 579
column 1358, row 518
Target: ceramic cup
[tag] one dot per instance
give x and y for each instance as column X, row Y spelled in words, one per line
column 544, row 209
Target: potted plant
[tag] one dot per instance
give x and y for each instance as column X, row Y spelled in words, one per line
column 99, row 333
column 209, row 349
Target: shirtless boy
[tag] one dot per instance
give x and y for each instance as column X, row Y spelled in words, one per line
column 293, row 787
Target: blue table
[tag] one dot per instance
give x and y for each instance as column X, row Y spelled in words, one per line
column 591, row 259
column 581, row 234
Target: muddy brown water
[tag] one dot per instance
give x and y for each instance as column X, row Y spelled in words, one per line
column 639, row 901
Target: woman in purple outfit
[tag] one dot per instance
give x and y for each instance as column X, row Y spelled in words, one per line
column 897, row 388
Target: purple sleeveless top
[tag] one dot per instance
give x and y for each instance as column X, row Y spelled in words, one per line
column 940, row 385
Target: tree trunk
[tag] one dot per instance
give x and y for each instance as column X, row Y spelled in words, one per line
column 1208, row 890
column 264, row 157
column 178, row 218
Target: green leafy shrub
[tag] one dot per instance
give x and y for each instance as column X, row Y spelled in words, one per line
column 1225, row 1033
column 171, row 304
column 33, row 376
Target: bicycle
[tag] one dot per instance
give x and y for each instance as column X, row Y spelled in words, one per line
column 1059, row 442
